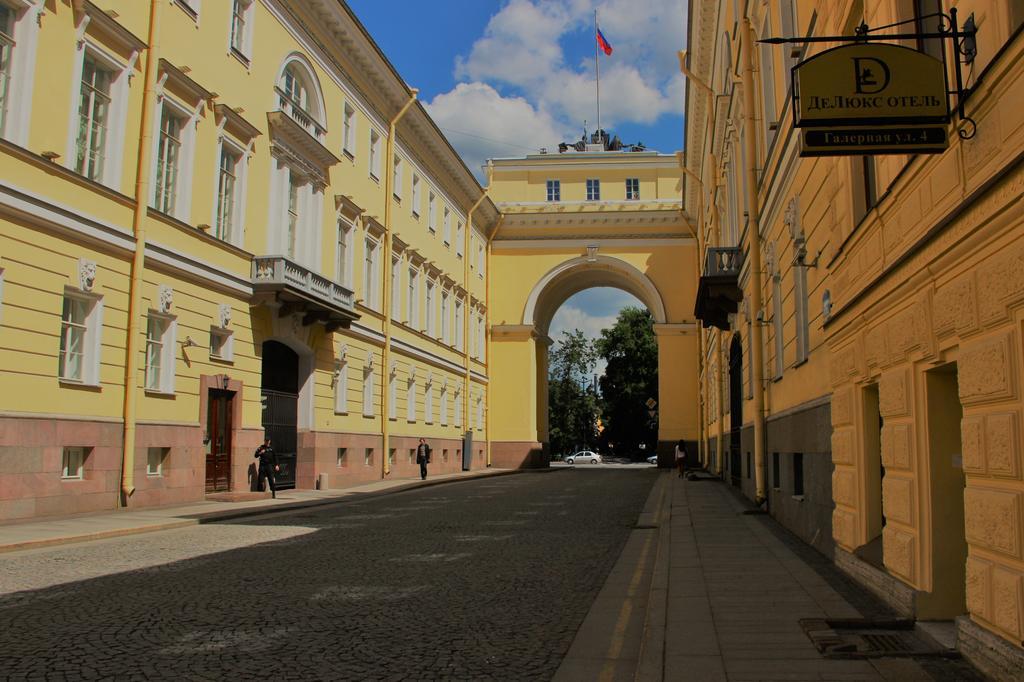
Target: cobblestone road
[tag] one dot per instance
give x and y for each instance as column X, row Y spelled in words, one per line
column 475, row 580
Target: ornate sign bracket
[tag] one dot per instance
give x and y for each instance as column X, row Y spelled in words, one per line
column 964, row 45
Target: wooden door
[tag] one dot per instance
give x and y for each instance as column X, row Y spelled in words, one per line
column 218, row 448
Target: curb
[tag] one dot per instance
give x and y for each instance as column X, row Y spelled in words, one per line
column 232, row 514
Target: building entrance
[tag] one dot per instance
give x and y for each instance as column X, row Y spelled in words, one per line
column 279, row 395
column 218, row 446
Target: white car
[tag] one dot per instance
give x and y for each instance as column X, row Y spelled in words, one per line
column 584, row 456
column 653, row 459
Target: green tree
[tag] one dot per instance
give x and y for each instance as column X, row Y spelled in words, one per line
column 630, row 379
column 572, row 403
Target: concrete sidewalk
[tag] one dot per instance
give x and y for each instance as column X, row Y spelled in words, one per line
column 62, row 530
column 703, row 591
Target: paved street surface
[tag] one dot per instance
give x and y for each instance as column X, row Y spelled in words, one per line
column 473, row 580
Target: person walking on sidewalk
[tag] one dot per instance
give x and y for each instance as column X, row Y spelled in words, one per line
column 681, row 458
column 423, row 457
column 268, row 466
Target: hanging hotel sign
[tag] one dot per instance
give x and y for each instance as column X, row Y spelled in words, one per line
column 871, row 98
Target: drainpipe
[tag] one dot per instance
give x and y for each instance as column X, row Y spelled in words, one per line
column 467, row 241
column 698, row 234
column 716, row 238
column 754, row 250
column 132, row 350
column 385, row 372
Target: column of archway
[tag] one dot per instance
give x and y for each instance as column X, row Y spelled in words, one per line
column 518, row 356
column 678, row 378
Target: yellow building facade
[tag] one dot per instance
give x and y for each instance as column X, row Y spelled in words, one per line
column 864, row 314
column 242, row 208
column 593, row 214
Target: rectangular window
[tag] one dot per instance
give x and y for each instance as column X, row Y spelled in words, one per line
column 221, row 344
column 155, row 458
column 415, row 196
column 344, row 253
column 391, row 457
column 864, row 188
column 777, row 327
column 392, row 396
column 342, row 459
column 73, row 463
column 428, row 402
column 396, row 180
column 444, row 455
column 554, row 190
column 446, row 332
column 800, row 310
column 368, row 457
column 446, row 235
column 632, row 189
column 798, row 473
column 227, row 188
column 191, row 7
column 93, row 119
column 370, row 275
column 460, row 236
column 348, row 133
column 412, row 455
column 374, row 155
column 593, row 190
column 341, row 387
column 73, row 338
column 431, row 214
column 160, row 354
column 410, row 400
column 240, row 31
column 413, row 302
column 368, row 391
column 766, row 57
column 460, row 321
column 396, row 288
column 168, row 161
column 480, row 264
column 458, row 409
column 430, row 308
column 444, row 407
column 6, row 48
column 479, row 413
column 294, row 215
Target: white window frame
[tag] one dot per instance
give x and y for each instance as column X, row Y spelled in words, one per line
column 392, row 395
column 458, row 407
column 163, row 382
column 396, row 178
column 73, row 455
column 446, row 327
column 374, row 161
column 341, row 386
column 428, row 402
column 769, row 108
column 368, row 389
column 342, row 458
column 182, row 202
column 413, row 295
column 348, row 138
column 800, row 314
column 113, row 146
column 429, row 325
column 396, row 287
column 777, row 325
column 553, row 190
column 416, row 195
column 593, row 189
column 443, row 407
column 241, row 48
column 460, row 321
column 371, row 273
column 310, row 213
column 632, row 189
column 479, row 413
column 343, row 252
column 460, row 236
column 432, row 213
column 16, row 116
column 227, row 346
column 480, row 260
column 410, row 399
column 446, row 234
column 236, row 232
column 92, row 330
column 161, row 456
column 190, row 7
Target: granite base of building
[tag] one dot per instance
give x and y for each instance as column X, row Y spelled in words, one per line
column 900, row 597
column 989, row 652
column 519, row 455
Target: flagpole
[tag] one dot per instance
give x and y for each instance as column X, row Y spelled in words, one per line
column 597, row 68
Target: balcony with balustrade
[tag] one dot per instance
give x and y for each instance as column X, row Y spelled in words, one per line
column 294, row 289
column 719, row 293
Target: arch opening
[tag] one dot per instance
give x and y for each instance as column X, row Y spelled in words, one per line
column 286, row 401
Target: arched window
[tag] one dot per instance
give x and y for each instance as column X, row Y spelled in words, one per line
column 299, row 95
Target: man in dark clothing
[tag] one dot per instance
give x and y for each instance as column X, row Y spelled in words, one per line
column 268, row 465
column 423, row 457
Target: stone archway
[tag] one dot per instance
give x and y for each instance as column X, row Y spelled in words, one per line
column 519, row 356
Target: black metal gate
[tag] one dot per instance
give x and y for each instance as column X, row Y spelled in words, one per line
column 467, row 451
column 280, row 424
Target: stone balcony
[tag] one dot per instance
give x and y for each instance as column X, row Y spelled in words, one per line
column 293, row 289
column 719, row 293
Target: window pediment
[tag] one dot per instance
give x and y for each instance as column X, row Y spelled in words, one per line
column 178, row 80
column 233, row 122
column 373, row 226
column 348, row 208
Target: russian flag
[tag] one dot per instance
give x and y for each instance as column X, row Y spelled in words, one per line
column 603, row 44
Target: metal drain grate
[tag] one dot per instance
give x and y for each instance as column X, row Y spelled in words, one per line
column 866, row 638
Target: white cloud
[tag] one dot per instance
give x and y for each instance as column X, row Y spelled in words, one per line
column 570, row 317
column 483, row 124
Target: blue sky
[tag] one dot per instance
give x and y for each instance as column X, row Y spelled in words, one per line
column 507, row 77
column 504, row 78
